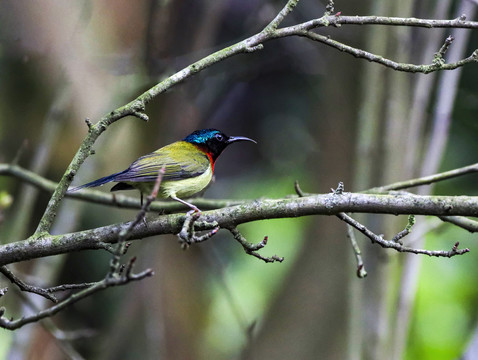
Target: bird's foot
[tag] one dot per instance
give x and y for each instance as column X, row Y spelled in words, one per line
column 188, row 235
column 195, row 211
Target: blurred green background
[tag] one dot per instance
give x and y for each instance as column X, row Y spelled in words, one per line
column 319, row 116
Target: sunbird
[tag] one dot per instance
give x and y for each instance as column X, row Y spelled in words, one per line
column 188, row 163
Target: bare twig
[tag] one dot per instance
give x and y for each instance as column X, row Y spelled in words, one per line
column 101, row 285
column 412, row 68
column 88, row 123
column 24, row 286
column 463, row 222
column 140, row 115
column 361, row 272
column 273, row 25
column 66, row 287
column 390, row 244
column 337, row 21
column 440, row 55
column 426, row 180
column 398, row 237
column 252, row 249
column 298, row 190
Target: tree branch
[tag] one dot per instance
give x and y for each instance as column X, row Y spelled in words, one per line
column 392, row 244
column 361, row 272
column 426, row 180
column 325, row 204
column 25, row 287
column 252, row 249
column 101, row 285
column 339, row 20
column 463, row 222
column 359, row 53
column 273, row 25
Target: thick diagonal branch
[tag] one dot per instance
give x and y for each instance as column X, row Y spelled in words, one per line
column 327, row 204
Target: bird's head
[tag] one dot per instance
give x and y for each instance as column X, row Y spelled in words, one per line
column 213, row 141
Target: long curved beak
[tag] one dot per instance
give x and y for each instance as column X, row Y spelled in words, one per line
column 239, row 138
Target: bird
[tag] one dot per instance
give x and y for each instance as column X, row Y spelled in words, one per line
column 188, row 167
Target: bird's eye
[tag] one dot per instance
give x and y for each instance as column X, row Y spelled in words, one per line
column 219, row 137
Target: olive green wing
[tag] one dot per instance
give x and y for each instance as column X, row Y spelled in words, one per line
column 181, row 160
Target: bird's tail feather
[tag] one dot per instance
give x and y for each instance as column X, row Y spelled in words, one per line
column 98, row 182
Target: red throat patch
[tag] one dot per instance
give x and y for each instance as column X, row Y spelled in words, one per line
column 204, row 150
column 211, row 161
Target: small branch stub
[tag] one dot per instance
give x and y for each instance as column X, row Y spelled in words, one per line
column 251, row 49
column 439, row 58
column 340, row 189
column 361, row 272
column 140, row 115
column 252, row 249
column 88, row 123
column 329, row 8
column 398, row 237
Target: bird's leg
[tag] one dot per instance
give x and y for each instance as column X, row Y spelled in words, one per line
column 141, row 198
column 187, row 232
column 193, row 207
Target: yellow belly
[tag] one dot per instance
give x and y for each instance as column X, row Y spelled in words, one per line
column 187, row 187
column 179, row 188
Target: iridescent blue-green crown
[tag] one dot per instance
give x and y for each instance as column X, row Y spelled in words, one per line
column 201, row 136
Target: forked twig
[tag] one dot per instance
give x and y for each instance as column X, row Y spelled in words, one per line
column 252, row 249
column 390, row 244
